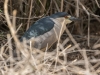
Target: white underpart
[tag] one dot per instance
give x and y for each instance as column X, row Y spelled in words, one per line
column 51, row 36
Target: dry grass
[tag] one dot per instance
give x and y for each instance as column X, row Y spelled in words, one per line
column 77, row 53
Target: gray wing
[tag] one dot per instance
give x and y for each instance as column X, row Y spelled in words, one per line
column 38, row 28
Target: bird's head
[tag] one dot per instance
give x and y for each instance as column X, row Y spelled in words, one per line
column 63, row 17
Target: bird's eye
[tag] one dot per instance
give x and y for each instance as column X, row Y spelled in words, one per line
column 66, row 17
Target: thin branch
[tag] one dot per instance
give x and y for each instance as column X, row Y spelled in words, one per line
column 30, row 12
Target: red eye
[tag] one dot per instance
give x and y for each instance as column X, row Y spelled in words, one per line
column 66, row 16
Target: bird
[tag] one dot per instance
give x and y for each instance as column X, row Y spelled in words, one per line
column 46, row 30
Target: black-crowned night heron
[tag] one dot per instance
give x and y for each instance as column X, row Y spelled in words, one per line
column 46, row 30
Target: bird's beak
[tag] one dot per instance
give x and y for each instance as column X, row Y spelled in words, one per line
column 74, row 19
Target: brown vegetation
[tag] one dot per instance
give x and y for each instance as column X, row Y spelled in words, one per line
column 78, row 52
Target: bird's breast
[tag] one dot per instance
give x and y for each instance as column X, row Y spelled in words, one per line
column 47, row 39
